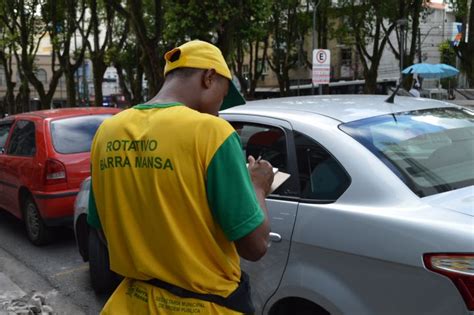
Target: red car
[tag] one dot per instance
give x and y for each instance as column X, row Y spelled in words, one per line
column 44, row 157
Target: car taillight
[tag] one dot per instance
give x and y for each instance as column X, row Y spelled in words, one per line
column 55, row 172
column 457, row 267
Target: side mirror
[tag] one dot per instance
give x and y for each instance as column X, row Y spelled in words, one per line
column 2, row 150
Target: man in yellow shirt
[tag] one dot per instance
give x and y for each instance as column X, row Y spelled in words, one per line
column 174, row 197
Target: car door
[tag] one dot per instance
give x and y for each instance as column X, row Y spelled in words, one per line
column 5, row 131
column 20, row 153
column 272, row 140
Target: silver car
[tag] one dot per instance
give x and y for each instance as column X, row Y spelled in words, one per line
column 377, row 216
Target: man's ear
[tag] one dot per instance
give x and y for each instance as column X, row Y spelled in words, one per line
column 208, row 77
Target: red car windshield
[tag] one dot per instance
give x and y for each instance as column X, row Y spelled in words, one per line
column 74, row 135
column 431, row 150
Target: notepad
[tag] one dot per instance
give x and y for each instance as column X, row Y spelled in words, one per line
column 278, row 179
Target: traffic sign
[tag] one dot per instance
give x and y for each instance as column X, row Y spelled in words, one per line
column 321, row 66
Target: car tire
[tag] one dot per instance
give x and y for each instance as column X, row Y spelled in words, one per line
column 103, row 280
column 38, row 233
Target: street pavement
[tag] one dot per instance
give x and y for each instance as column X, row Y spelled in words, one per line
column 24, row 291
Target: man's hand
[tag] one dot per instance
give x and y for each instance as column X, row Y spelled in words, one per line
column 261, row 174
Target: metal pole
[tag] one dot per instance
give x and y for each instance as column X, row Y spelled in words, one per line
column 315, row 8
column 402, row 50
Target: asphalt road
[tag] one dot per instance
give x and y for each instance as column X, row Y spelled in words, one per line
column 59, row 263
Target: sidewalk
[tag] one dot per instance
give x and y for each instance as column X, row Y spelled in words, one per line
column 23, row 291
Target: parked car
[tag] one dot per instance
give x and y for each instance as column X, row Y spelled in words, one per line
column 44, row 157
column 377, row 216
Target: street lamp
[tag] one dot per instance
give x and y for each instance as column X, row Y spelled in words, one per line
column 420, row 42
column 402, row 23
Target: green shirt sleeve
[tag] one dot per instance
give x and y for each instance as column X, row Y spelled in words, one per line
column 92, row 215
column 230, row 192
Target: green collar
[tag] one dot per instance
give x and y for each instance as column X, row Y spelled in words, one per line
column 157, row 105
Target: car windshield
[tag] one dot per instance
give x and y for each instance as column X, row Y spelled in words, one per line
column 74, row 135
column 431, row 150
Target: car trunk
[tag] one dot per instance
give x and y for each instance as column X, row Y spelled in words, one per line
column 459, row 200
column 77, row 168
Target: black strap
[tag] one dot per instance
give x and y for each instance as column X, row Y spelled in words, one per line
column 239, row 300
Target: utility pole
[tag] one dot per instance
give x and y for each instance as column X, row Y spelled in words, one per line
column 315, row 9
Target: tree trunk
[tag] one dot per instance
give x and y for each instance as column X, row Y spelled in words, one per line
column 137, row 86
column 122, row 82
column 9, row 98
column 70, row 88
column 22, row 101
column 370, row 83
column 98, row 70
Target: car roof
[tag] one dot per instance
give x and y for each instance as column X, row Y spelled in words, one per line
column 67, row 112
column 344, row 108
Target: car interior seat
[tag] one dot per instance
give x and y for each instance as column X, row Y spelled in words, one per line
column 270, row 145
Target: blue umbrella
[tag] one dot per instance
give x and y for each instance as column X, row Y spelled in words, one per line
column 424, row 70
column 448, row 71
column 431, row 71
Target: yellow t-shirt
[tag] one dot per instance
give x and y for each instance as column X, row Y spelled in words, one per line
column 172, row 193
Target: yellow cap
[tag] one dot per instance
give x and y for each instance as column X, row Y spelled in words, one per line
column 203, row 55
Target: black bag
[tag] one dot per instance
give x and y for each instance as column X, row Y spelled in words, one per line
column 240, row 300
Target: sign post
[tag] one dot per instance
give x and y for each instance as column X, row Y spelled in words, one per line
column 321, row 67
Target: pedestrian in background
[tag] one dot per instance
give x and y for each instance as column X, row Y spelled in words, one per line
column 415, row 90
column 173, row 195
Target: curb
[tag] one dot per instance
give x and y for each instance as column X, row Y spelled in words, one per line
column 23, row 291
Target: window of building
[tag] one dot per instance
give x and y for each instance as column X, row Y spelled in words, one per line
column 260, row 64
column 23, row 141
column 42, row 76
column 2, row 76
column 346, row 56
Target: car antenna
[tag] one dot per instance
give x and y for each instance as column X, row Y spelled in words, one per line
column 391, row 98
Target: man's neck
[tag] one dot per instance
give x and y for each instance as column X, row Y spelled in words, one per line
column 174, row 92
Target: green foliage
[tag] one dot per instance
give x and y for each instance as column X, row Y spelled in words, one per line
column 460, row 8
column 447, row 53
column 447, row 56
column 197, row 19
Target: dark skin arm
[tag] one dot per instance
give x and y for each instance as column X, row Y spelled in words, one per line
column 254, row 245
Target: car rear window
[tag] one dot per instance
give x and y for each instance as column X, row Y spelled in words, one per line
column 431, row 150
column 74, row 135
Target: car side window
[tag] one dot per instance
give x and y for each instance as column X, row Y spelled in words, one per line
column 4, row 132
column 322, row 178
column 23, row 140
column 268, row 142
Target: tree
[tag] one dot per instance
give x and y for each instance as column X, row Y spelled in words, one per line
column 101, row 15
column 68, row 15
column 29, row 28
column 464, row 10
column 124, row 54
column 288, row 23
column 7, row 46
column 367, row 23
column 411, row 11
column 253, row 39
column 146, row 20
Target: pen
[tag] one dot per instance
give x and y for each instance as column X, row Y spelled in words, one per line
column 258, row 159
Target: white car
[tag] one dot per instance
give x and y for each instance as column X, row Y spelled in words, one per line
column 377, row 216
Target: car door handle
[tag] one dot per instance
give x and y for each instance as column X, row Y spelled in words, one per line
column 275, row 237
